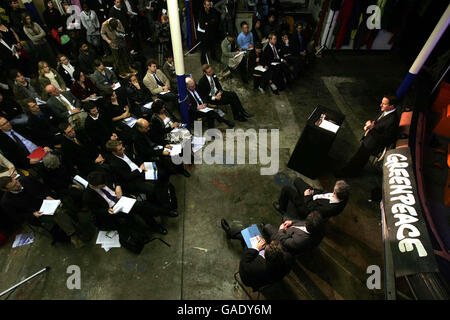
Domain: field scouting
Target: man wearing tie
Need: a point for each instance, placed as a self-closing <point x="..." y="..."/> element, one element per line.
<point x="159" y="85"/>
<point x="276" y="65"/>
<point x="378" y="134"/>
<point x="17" y="146"/>
<point x="196" y="105"/>
<point x="65" y="106"/>
<point x="211" y="92"/>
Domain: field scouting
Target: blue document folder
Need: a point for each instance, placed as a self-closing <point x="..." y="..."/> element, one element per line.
<point x="251" y="235"/>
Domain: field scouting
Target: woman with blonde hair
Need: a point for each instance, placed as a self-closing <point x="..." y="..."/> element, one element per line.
<point x="48" y="75"/>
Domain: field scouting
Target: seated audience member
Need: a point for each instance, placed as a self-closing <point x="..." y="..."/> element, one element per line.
<point x="263" y="76"/>
<point x="9" y="108"/>
<point x="196" y="105"/>
<point x="65" y="106"/>
<point x="139" y="96"/>
<point x="24" y="87"/>
<point x="23" y="199"/>
<point x="378" y="134"/>
<point x="56" y="176"/>
<point x="66" y="68"/>
<point x="288" y="54"/>
<point x="118" y="110"/>
<point x="7" y="169"/>
<point x="78" y="150"/>
<point x="212" y="92"/>
<point x="229" y="51"/>
<point x="42" y="123"/>
<point x="102" y="194"/>
<point x="17" y="146"/>
<point x="83" y="88"/>
<point x="297" y="236"/>
<point x="147" y="150"/>
<point x="47" y="76"/>
<point x="159" y="85"/>
<point x="86" y="59"/>
<point x="163" y="123"/>
<point x="98" y="126"/>
<point x="103" y="78"/>
<point x="169" y="71"/>
<point x="257" y="32"/>
<point x="245" y="38"/>
<point x="266" y="264"/>
<point x="298" y="43"/>
<point x="275" y="63"/>
<point x="132" y="178"/>
<point x="270" y="25"/>
<point x="305" y="200"/>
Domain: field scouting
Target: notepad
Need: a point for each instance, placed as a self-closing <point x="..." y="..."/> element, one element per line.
<point x="49" y="207"/>
<point x="176" y="149"/>
<point x="239" y="54"/>
<point x="206" y="109"/>
<point x="260" y="68"/>
<point x="116" y="86"/>
<point x="151" y="172"/>
<point x="251" y="236"/>
<point x="130" y="121"/>
<point x="124" y="205"/>
<point x="38" y="153"/>
<point x="80" y="181"/>
<point x="330" y="126"/>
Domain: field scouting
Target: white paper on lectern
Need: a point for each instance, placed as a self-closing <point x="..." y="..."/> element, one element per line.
<point x="327" y="125"/>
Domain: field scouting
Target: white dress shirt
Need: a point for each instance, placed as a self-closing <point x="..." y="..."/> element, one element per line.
<point x="130" y="163"/>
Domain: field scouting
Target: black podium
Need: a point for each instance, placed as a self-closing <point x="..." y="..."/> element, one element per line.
<point x="311" y="152"/>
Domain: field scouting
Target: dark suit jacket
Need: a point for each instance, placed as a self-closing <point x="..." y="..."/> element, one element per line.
<point x="44" y="128"/>
<point x="100" y="130"/>
<point x="59" y="109"/>
<point x="82" y="156"/>
<point x="13" y="152"/>
<point x="296" y="241"/>
<point x="324" y="206"/>
<point x="20" y="206"/>
<point x="269" y="56"/>
<point x="256" y="273"/>
<point x="145" y="148"/>
<point x="204" y="88"/>
<point x="123" y="172"/>
<point x="66" y="75"/>
<point x="158" y="131"/>
<point x="382" y="134"/>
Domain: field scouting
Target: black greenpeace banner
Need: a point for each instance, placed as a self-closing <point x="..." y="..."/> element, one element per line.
<point x="408" y="234"/>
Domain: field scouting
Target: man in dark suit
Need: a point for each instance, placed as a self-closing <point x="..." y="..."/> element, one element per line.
<point x="147" y="150"/>
<point x="298" y="236"/>
<point x="98" y="126"/>
<point x="22" y="200"/>
<point x="65" y="106"/>
<point x="42" y="122"/>
<point x="208" y="21"/>
<point x="132" y="178"/>
<point x="262" y="265"/>
<point x="297" y="203"/>
<point x="275" y="63"/>
<point x="378" y="134"/>
<point x="103" y="193"/>
<point x="211" y="92"/>
<point x="17" y="146"/>
<point x="79" y="150"/>
<point x="196" y="104"/>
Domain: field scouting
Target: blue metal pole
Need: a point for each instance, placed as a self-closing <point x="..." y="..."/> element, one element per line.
<point x="424" y="53"/>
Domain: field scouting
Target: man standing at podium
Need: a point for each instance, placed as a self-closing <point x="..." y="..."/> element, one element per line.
<point x="378" y="134"/>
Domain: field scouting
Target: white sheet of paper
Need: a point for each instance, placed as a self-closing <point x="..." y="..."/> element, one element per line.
<point x="49" y="207"/>
<point x="106" y="237"/>
<point x="239" y="54"/>
<point x="176" y="149"/>
<point x="275" y="63"/>
<point x="150" y="173"/>
<point x="207" y="109"/>
<point x="130" y="121"/>
<point x="40" y="102"/>
<point x="79" y="180"/>
<point x="254" y="241"/>
<point x="260" y="68"/>
<point x="327" y="125"/>
<point x="23" y="239"/>
<point x="124" y="205"/>
<point x="164" y="92"/>
<point x="116" y="86"/>
<point x="148" y="105"/>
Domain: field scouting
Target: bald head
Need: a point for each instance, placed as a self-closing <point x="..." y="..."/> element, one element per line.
<point x="190" y="84"/>
<point x="52" y="90"/>
<point x="142" y="125"/>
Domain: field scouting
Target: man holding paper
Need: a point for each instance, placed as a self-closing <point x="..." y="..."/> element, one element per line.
<point x="28" y="200"/>
<point x="17" y="146"/>
<point x="102" y="197"/>
<point x="134" y="180"/>
<point x="262" y="264"/>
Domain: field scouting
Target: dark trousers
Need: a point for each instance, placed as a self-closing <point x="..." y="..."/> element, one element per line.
<point x="231" y="98"/>
<point x="292" y="200"/>
<point x="207" y="44"/>
<point x="210" y="117"/>
<point x="260" y="79"/>
<point x="357" y="162"/>
<point x="235" y="233"/>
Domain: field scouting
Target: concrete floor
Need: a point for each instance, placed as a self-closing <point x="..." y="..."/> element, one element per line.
<point x="201" y="262"/>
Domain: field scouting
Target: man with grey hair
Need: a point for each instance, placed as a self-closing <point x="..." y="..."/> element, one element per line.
<point x="300" y="200"/>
